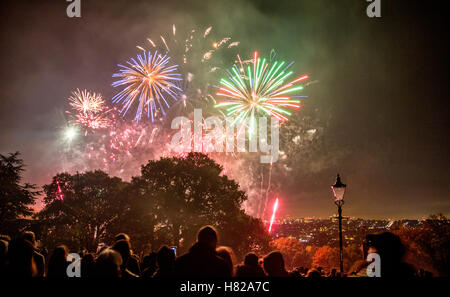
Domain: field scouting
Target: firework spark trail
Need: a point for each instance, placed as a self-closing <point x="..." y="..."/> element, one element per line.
<point x="269" y="184"/>
<point x="261" y="185"/>
<point x="259" y="89"/>
<point x="275" y="206"/>
<point x="165" y="43"/>
<point x="151" y="42"/>
<point x="59" y="195"/>
<point x="207" y="31"/>
<point x="147" y="80"/>
<point x="140" y="137"/>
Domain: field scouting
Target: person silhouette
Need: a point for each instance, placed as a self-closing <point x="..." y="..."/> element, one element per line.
<point x="123" y="248"/>
<point x="37" y="257"/>
<point x="88" y="265"/>
<point x="108" y="264"/>
<point x="250" y="268"/>
<point x="20" y="263"/>
<point x="274" y="265"/>
<point x="166" y="262"/>
<point x="133" y="262"/>
<point x="57" y="264"/>
<point x="391" y="251"/>
<point x="227" y="254"/>
<point x="202" y="259"/>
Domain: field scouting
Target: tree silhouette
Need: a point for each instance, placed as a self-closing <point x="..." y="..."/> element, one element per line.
<point x="352" y="254"/>
<point x="187" y="193"/>
<point x="16" y="199"/>
<point x="136" y="216"/>
<point x="292" y="249"/>
<point x="302" y="259"/>
<point x="428" y="245"/>
<point x="90" y="204"/>
<point x="326" y="257"/>
<point x="166" y="204"/>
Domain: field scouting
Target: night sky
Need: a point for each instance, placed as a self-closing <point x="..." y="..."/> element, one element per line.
<point x="382" y="91"/>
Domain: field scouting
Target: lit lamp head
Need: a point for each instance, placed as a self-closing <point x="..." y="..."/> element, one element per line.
<point x="338" y="189"/>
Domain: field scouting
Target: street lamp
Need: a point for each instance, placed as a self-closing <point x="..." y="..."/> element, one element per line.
<point x="338" y="192"/>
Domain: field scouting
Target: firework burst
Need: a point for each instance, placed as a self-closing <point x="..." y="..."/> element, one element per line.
<point x="93" y="120"/>
<point x="195" y="52"/>
<point x="89" y="110"/>
<point x="259" y="89"/>
<point x="86" y="102"/>
<point x="148" y="80"/>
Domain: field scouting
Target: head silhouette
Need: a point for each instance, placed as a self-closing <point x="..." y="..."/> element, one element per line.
<point x="122" y="236"/>
<point x="57" y="264"/>
<point x="313" y="273"/>
<point x="123" y="248"/>
<point x="29" y="235"/>
<point x="387" y="245"/>
<point x="274" y="264"/>
<point x="227" y="254"/>
<point x="165" y="258"/>
<point x="149" y="260"/>
<point x="20" y="258"/>
<point x="108" y="264"/>
<point x="390" y="249"/>
<point x="87" y="265"/>
<point x="208" y="235"/>
<point x="251" y="259"/>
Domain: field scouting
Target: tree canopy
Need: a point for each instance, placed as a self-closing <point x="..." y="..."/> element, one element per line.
<point x="16" y="199"/>
<point x="80" y="218"/>
<point x="166" y="204"/>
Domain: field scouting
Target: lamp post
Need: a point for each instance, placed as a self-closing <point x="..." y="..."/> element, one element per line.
<point x="338" y="192"/>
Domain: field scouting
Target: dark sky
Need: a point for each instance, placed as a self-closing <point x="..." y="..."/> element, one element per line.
<point x="383" y="86"/>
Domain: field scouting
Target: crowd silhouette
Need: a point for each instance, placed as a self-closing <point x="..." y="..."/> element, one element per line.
<point x="20" y="258"/>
